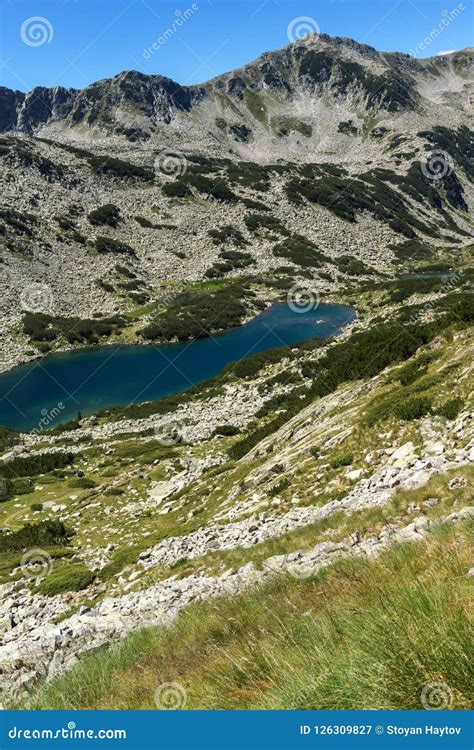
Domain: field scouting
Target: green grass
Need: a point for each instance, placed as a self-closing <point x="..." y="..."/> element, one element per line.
<point x="338" y="526"/>
<point x="66" y="577"/>
<point x="11" y="560"/>
<point x="358" y="635"/>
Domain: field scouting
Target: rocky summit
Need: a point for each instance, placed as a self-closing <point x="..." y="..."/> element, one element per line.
<point x="311" y="482"/>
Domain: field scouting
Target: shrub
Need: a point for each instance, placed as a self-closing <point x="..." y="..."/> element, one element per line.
<point x="250" y="367"/>
<point x="344" y="460"/>
<point x="124" y="271"/>
<point x="43" y="534"/>
<point x="144" y="222"/>
<point x="65" y="223"/>
<point x="25" y="466"/>
<point x="6" y="490"/>
<point x="20" y="223"/>
<point x="352" y="266"/>
<point x="257" y="222"/>
<point x="227" y="233"/>
<point x="240" y="132"/>
<point x="178" y="189"/>
<point x="212" y="188"/>
<point x="23" y="486"/>
<point x="110" y="166"/>
<point x="105" y="285"/>
<point x="277" y="489"/>
<point x="8" y="437"/>
<point x="226" y="430"/>
<point x="40" y="327"/>
<point x="197" y="314"/>
<point x="411" y="372"/>
<point x="82" y="483"/>
<point x="36" y="506"/>
<point x="43" y="347"/>
<point x="67" y="577"/>
<point x="413" y="408"/>
<point x="273" y="404"/>
<point x="108" y="245"/>
<point x="300" y="250"/>
<point x="108" y="214"/>
<point x="139" y="298"/>
<point x="217" y="270"/>
<point x="132" y="285"/>
<point x="451" y="408"/>
<point x="249" y="175"/>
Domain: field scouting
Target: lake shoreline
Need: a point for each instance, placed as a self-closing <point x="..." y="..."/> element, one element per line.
<point x="87" y="380"/>
<point x="83" y="348"/>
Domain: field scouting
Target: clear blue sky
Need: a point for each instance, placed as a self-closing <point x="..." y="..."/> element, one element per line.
<point x="94" y="39"/>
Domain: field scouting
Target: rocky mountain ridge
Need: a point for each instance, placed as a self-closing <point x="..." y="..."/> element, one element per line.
<point x="284" y="94"/>
<point x="319" y="162"/>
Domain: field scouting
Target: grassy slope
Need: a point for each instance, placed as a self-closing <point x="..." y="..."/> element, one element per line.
<point x="341" y="634"/>
<point x="358" y="635"/>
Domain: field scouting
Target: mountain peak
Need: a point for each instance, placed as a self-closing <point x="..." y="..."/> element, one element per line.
<point x="319" y="69"/>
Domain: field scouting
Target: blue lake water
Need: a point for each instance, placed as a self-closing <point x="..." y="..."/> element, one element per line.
<point x="88" y="380"/>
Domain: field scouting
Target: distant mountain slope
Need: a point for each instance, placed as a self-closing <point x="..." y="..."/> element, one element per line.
<point x="318" y="163"/>
<point x="318" y="86"/>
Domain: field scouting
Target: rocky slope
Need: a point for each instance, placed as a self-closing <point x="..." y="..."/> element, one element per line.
<point x="313" y="156"/>
<point x="140" y="210"/>
<point x="332" y="86"/>
<point x="162" y="525"/>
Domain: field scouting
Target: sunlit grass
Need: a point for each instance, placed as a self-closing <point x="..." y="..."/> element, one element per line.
<point x="358" y="635"/>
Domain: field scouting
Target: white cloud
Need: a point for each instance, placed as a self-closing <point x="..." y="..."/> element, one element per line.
<point x="445" y="52"/>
